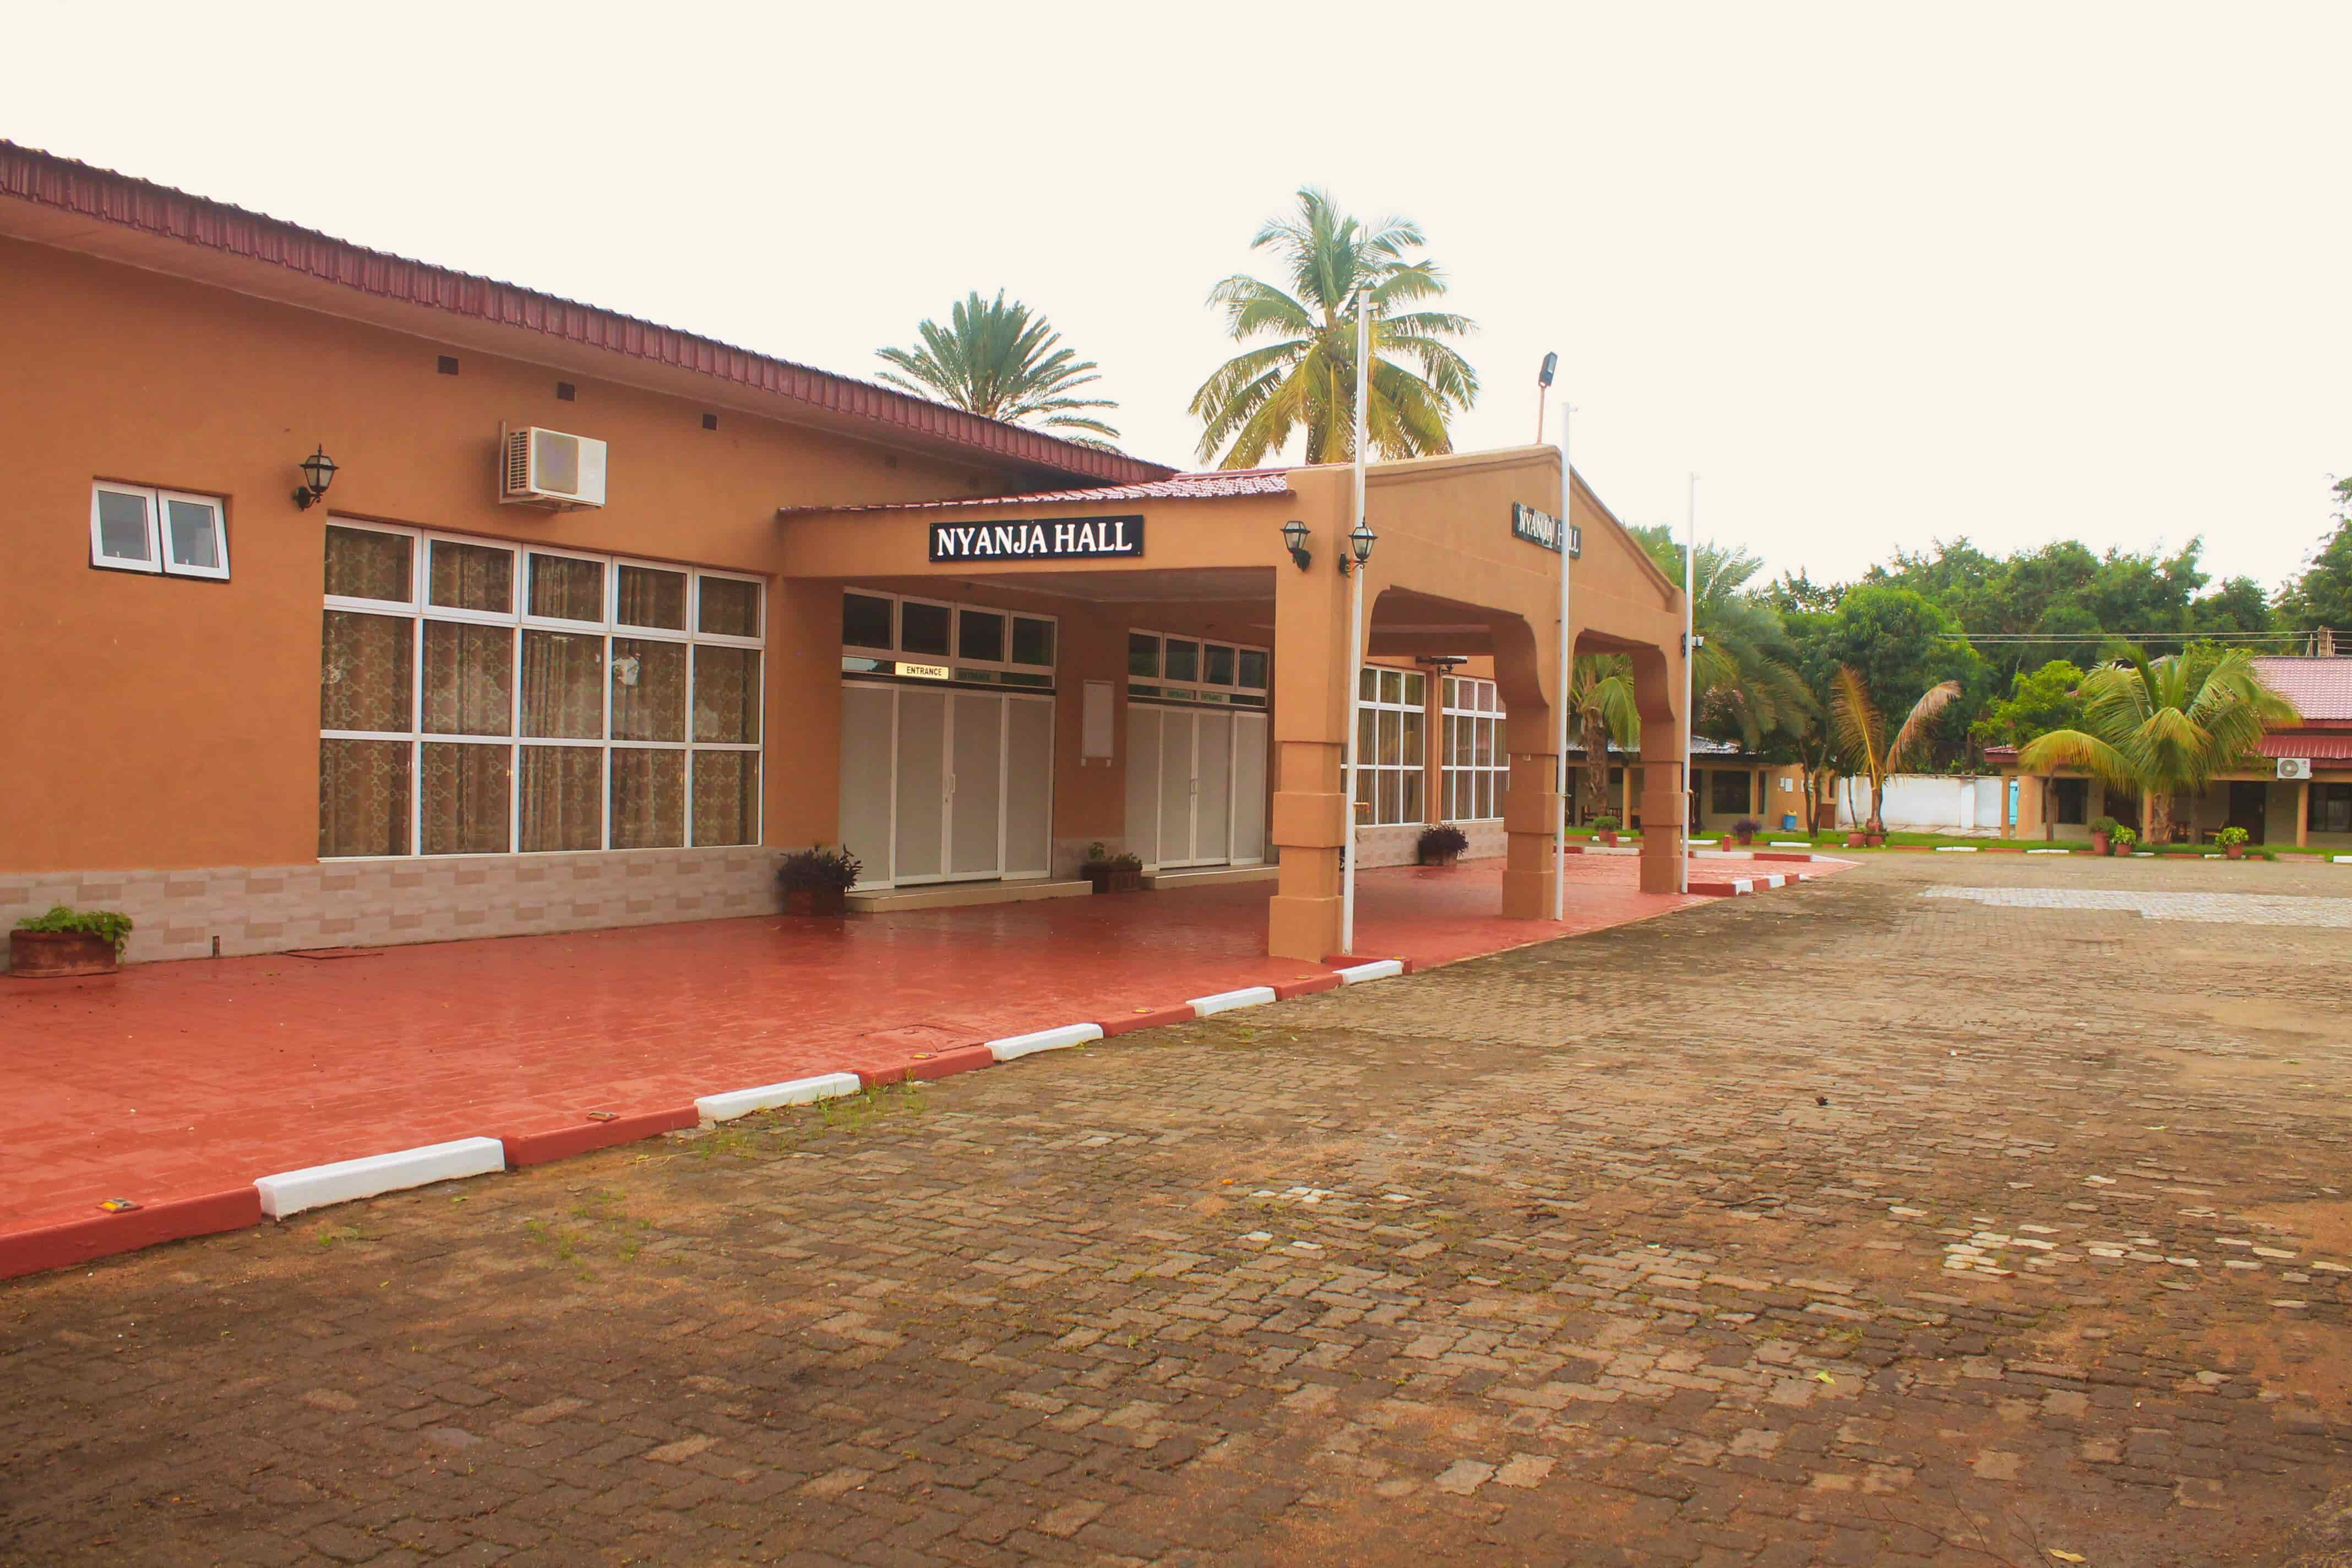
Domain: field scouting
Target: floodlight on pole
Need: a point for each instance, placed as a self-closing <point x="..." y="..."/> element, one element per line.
<point x="1543" y="385"/>
<point x="1360" y="537"/>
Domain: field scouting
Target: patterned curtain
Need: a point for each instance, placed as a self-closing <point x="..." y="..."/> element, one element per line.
<point x="562" y="798"/>
<point x="567" y="589"/>
<point x="648" y="799"/>
<point x="651" y="598"/>
<point x="471" y="577"/>
<point x="726" y="797"/>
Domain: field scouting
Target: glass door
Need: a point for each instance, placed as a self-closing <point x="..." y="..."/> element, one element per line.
<point x="975" y="829"/>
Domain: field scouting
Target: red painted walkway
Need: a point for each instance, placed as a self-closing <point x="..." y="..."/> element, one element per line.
<point x="174" y="1079"/>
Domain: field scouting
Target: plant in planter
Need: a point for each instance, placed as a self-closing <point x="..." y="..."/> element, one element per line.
<point x="2103" y="835"/>
<point x="1112" y="873"/>
<point x="1604" y="828"/>
<point x="1441" y="844"/>
<point x="66" y="942"/>
<point x="2123" y="838"/>
<point x="2233" y="841"/>
<point x="1745" y="829"/>
<point x="816" y="880"/>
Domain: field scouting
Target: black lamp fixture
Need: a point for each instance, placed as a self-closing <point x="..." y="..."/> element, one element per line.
<point x="319" y="472"/>
<point x="1359" y="544"/>
<point x="1294" y="535"/>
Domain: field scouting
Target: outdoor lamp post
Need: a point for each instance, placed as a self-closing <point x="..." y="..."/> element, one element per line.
<point x="1359" y="544"/>
<point x="318" y="472"/>
<point x="1294" y="535"/>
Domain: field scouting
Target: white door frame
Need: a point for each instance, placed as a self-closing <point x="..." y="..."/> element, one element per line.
<point x="1224" y="855"/>
<point x="1005" y="700"/>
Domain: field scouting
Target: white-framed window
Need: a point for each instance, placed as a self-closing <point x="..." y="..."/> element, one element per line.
<point x="482" y="696"/>
<point x="937" y="639"/>
<point x="135" y="527"/>
<point x="1390" y="745"/>
<point x="1477" y="767"/>
<point x="1163" y="667"/>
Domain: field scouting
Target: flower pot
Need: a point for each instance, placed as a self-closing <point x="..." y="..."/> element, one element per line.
<point x="1443" y="858"/>
<point x="816" y="900"/>
<point x="1853" y="840"/>
<point x="1608" y="835"/>
<point x="1746" y="839"/>
<point x="2100" y="845"/>
<point x="1875" y="840"/>
<point x="1112" y="879"/>
<point x="58" y="954"/>
<point x="2233" y="851"/>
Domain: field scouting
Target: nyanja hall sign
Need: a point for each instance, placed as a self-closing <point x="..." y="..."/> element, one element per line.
<point x="1057" y="539"/>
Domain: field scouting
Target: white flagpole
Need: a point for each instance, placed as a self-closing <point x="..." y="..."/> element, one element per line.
<point x="1355" y="628"/>
<point x="1690" y="661"/>
<point x="1559" y="821"/>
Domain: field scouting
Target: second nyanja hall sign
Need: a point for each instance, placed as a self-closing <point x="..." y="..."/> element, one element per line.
<point x="1054" y="538"/>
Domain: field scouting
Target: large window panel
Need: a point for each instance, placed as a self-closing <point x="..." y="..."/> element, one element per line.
<point x="562" y="686"/>
<point x="363" y="803"/>
<point x="651" y="598"/>
<point x="368" y="563"/>
<point x="648" y="690"/>
<point x="470" y="577"/>
<point x="468" y="679"/>
<point x="1390" y="746"/>
<point x="731" y="608"/>
<point x="566" y="588"/>
<point x="464" y="805"/>
<point x="648" y="798"/>
<point x="727" y="694"/>
<point x="726" y="797"/>
<point x="365" y="672"/>
<point x="562" y="795"/>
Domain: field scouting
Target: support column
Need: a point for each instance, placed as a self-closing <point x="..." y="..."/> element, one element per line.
<point x="1308" y="824"/>
<point x="2303" y="815"/>
<point x="1433" y="747"/>
<point x="1666" y="789"/>
<point x="1532" y="805"/>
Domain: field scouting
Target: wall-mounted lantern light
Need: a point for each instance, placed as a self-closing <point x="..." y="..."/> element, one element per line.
<point x="1360" y="542"/>
<point x="1293" y="534"/>
<point x="318" y="472"/>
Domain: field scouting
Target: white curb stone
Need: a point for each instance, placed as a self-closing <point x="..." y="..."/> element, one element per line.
<point x="291" y="1192"/>
<point x="2340" y="860"/>
<point x="1379" y="969"/>
<point x="1014" y="1047"/>
<point x="1789" y="844"/>
<point x="2049" y="852"/>
<point x="1956" y="848"/>
<point x="768" y="1095"/>
<point x="1225" y="1001"/>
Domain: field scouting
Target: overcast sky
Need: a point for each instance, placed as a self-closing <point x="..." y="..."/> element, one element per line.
<point x="1882" y="273"/>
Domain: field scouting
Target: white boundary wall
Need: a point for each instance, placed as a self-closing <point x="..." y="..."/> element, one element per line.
<point x="1927" y="803"/>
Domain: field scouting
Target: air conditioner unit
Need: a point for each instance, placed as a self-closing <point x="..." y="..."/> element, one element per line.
<point x="2295" y="768"/>
<point x="550" y="469"/>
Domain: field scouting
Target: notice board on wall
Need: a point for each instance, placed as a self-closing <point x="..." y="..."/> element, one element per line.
<point x="1096" y="726"/>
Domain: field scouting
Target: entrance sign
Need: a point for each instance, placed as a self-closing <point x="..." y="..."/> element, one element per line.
<point x="1053" y="539"/>
<point x="925" y="672"/>
<point x="1542" y="528"/>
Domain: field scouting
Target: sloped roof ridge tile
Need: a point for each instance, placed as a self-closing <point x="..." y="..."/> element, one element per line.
<point x="2320" y="688"/>
<point x="67" y="184"/>
<point x="1175" y="486"/>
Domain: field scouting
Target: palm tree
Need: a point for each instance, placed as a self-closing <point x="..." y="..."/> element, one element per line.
<point x="999" y="360"/>
<point x="1744" y="671"/>
<point x="1861" y="731"/>
<point x="1601" y="701"/>
<point x="2164" y="726"/>
<point x="1304" y="379"/>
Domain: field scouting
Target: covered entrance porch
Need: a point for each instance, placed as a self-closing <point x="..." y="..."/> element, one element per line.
<point x="1151" y="670"/>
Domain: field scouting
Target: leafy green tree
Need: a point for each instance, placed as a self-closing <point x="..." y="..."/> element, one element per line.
<point x="1744" y="673"/>
<point x="2164" y="726"/>
<point x="2038" y="703"/>
<point x="1899" y="644"/>
<point x="1304" y="380"/>
<point x="2321" y="595"/>
<point x="1000" y="361"/>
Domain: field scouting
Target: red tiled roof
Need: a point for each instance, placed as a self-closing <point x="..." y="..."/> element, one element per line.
<point x="1175" y="486"/>
<point x="63" y="184"/>
<point x="2335" y="745"/>
<point x="2319" y="688"/>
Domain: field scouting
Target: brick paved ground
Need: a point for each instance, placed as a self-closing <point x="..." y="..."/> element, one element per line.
<point x="1553" y="1256"/>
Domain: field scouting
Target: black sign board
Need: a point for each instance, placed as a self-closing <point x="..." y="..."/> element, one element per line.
<point x="1542" y="528"/>
<point x="1050" y="539"/>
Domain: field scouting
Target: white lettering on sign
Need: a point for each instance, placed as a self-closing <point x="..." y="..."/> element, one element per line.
<point x="1542" y="528"/>
<point x="1068" y="539"/>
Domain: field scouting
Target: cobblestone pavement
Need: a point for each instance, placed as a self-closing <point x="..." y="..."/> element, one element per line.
<point x="1842" y="1224"/>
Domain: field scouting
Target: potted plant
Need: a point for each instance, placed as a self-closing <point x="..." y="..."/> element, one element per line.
<point x="1112" y="873"/>
<point x="66" y="943"/>
<point x="2233" y="841"/>
<point x="1745" y="829"/>
<point x="816" y="880"/>
<point x="1604" y="828"/>
<point x="1441" y="844"/>
<point x="2103" y="835"/>
<point x="2123" y="837"/>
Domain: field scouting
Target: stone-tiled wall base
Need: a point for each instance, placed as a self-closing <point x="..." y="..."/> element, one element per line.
<point x="369" y="903"/>
<point x="1401" y="845"/>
